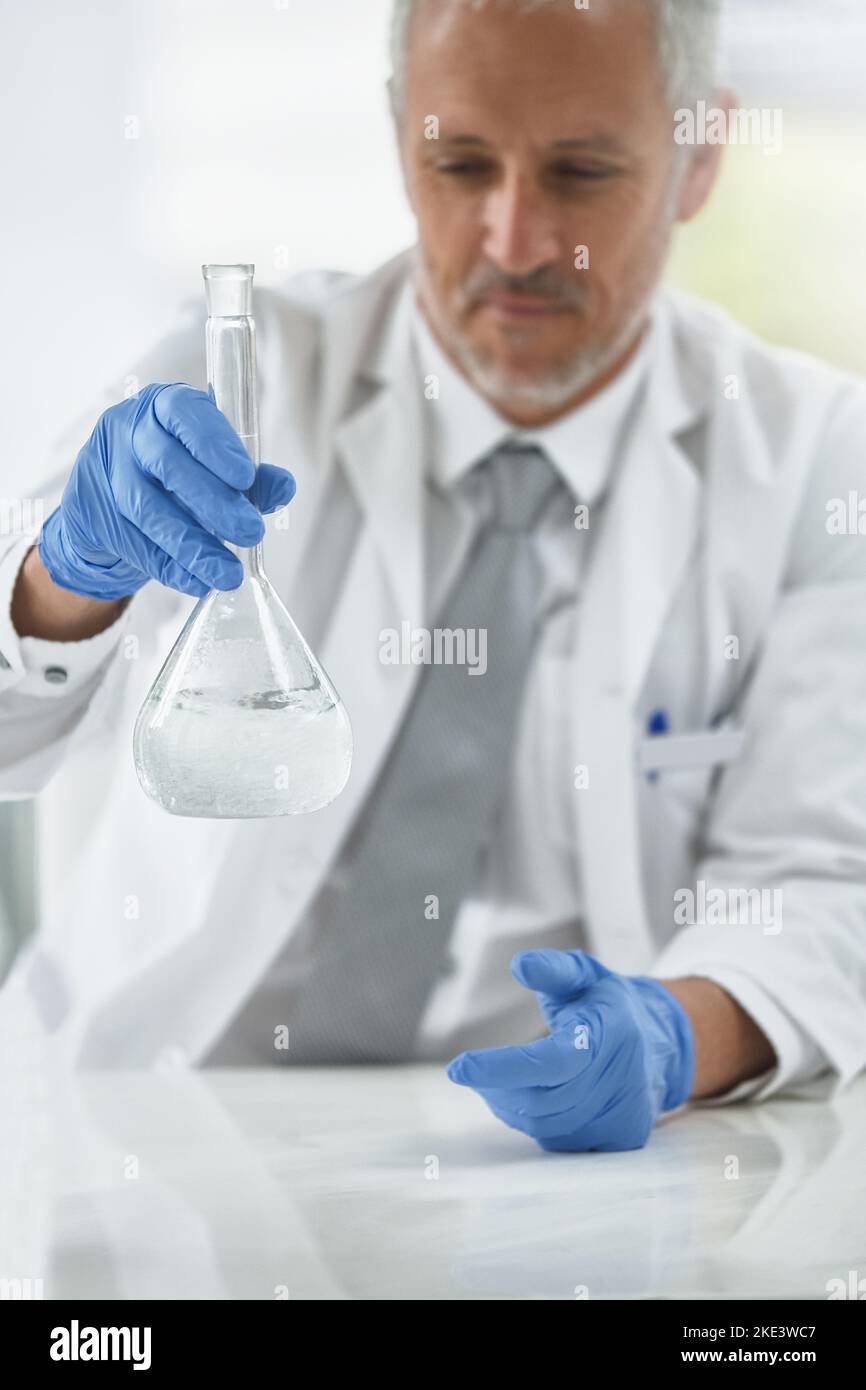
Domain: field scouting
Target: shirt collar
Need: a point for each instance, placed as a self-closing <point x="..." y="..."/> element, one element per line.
<point x="466" y="427"/>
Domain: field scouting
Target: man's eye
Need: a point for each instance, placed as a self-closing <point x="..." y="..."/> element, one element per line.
<point x="580" y="171"/>
<point x="465" y="168"/>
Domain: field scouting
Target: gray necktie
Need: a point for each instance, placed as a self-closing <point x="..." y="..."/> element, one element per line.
<point x="377" y="952"/>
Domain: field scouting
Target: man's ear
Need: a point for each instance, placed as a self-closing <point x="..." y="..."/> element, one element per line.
<point x="704" y="164"/>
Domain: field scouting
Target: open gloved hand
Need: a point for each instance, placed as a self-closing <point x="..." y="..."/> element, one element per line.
<point x="162" y="481"/>
<point x="619" y="1053"/>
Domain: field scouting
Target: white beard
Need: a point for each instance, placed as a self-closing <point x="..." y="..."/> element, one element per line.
<point x="565" y="383"/>
<point x="506" y="389"/>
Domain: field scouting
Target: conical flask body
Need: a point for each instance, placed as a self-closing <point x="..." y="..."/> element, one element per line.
<point x="242" y="721"/>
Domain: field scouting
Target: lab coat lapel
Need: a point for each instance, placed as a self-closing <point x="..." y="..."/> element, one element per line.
<point x="647" y="534"/>
<point x="364" y="341"/>
<point x="380" y="449"/>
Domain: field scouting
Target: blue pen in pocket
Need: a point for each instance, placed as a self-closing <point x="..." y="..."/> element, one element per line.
<point x="657" y="726"/>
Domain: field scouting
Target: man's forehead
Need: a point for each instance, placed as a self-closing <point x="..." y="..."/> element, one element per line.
<point x="437" y="23"/>
<point x="570" y="68"/>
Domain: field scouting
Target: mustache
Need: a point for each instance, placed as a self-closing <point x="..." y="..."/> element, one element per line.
<point x="541" y="284"/>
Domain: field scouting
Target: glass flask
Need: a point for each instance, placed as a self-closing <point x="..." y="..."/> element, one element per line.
<point x="241" y="721"/>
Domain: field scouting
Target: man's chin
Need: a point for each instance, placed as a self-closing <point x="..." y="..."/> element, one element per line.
<point x="542" y="388"/>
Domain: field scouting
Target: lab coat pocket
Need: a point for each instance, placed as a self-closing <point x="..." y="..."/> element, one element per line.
<point x="695" y="752"/>
<point x="678" y="769"/>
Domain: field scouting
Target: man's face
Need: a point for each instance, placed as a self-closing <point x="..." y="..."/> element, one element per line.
<point x="554" y="133"/>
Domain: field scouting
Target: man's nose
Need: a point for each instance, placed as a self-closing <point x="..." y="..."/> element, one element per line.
<point x="519" y="236"/>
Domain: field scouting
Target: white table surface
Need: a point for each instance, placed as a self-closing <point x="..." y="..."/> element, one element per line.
<point x="393" y="1183"/>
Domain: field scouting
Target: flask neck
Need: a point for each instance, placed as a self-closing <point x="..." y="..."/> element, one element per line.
<point x="231" y="374"/>
<point x="230" y="339"/>
<point x="251" y="558"/>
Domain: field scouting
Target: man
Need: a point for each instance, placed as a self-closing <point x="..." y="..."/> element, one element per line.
<point x="507" y="432"/>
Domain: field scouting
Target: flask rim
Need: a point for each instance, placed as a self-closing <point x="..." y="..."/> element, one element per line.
<point x="229" y="290"/>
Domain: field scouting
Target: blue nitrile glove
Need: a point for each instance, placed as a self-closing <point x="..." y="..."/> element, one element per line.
<point x="620" y="1051"/>
<point x="158" y="486"/>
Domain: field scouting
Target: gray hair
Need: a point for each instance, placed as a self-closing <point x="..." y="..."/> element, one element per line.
<point x="687" y="41"/>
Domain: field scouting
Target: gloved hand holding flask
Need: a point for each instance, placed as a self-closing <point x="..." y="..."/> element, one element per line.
<point x="162" y="480"/>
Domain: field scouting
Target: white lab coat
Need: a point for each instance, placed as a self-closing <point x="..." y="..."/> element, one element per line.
<point x="715" y="529"/>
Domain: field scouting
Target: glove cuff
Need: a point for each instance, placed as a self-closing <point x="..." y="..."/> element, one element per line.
<point x="678" y="1060"/>
<point x="681" y="1073"/>
<point x="73" y="575"/>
